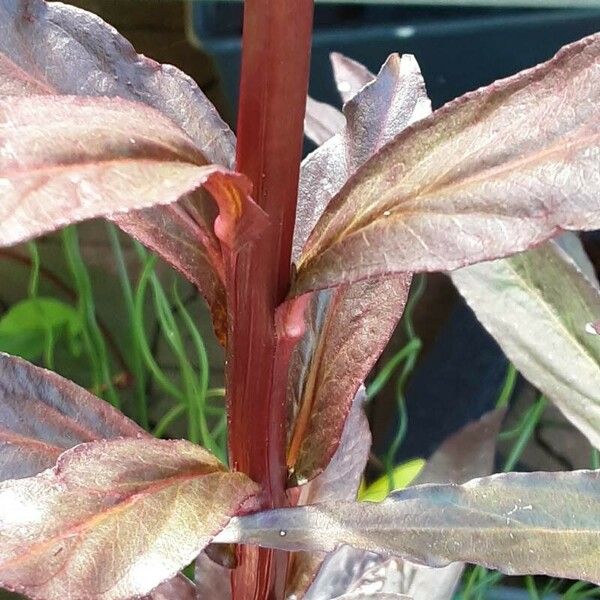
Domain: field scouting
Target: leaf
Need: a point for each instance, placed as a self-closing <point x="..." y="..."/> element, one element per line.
<point x="81" y="157"/>
<point x="42" y="415"/>
<point x="322" y="121"/>
<point x="341" y="478"/>
<point x="114" y="518"/>
<point x="391" y="102"/>
<point x="536" y="305"/>
<point x="27" y="327"/>
<point x="343" y="569"/>
<point x="348" y="327"/>
<point x="517" y="523"/>
<point x="491" y="173"/>
<point x="58" y="49"/>
<point x="212" y="580"/>
<point x="339" y="481"/>
<point x="350" y="76"/>
<point x="94" y="60"/>
<point x="466" y="454"/>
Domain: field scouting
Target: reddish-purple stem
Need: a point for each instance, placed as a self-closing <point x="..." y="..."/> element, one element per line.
<point x="275" y="64"/>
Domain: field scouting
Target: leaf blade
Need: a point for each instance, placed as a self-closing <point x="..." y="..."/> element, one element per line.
<point x="339" y="349"/>
<point x="68" y="159"/>
<point x="94" y="60"/>
<point x="466" y="454"/>
<point x="456" y="188"/>
<point x="536" y="306"/>
<point x="128" y="506"/>
<point x="322" y="121"/>
<point x="43" y="414"/>
<point x="518" y="523"/>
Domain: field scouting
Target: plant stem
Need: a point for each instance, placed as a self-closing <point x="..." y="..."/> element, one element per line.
<point x="274" y="82"/>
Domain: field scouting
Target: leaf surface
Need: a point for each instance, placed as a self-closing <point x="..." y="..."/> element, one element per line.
<point x="71" y="158"/>
<point x="339" y="481"/>
<point x="347" y="330"/>
<point x="466" y="454"/>
<point x="491" y="173"/>
<point x="542" y="523"/>
<point x="350" y="76"/>
<point x="536" y="305"/>
<point x="322" y="121"/>
<point x="348" y="327"/>
<point x="113" y="519"/>
<point x="392" y="101"/>
<point x="212" y="579"/>
<point x="52" y="48"/>
<point x="43" y="414"/>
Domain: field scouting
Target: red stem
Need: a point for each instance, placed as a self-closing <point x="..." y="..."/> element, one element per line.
<point x="275" y="64"/>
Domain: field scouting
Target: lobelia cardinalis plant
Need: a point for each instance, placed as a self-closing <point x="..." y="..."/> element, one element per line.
<point x="306" y="267"/>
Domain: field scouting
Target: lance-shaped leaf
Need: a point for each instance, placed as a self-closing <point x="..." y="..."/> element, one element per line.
<point x="59" y="49"/>
<point x="466" y="454"/>
<point x="350" y="326"/>
<point x="350" y="76"/>
<point x="52" y="48"/>
<point x="322" y="121"/>
<point x="491" y="173"/>
<point x="66" y="159"/>
<point x="339" y="481"/>
<point x="113" y="519"/>
<point x="537" y="305"/>
<point x="517" y="523"/>
<point x="42" y="415"/>
<point x="391" y="102"/>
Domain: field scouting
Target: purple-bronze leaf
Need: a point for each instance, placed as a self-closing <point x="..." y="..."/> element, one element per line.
<point x="70" y="158"/>
<point x="349" y="326"/>
<point x="537" y="306"/>
<point x="322" y="121"/>
<point x="341" y="477"/>
<point x="52" y="48"/>
<point x="391" y="102"/>
<point x="42" y="415"/>
<point x="466" y="454"/>
<point x="347" y="330"/>
<point x="339" y="481"/>
<point x="114" y="519"/>
<point x="491" y="173"/>
<point x="212" y="579"/>
<point x="350" y="76"/>
<point x="518" y="523"/>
